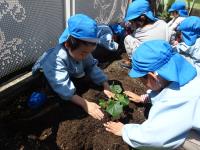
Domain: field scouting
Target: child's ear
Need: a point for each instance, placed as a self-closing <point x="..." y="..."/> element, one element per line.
<point x="143" y="18"/>
<point x="66" y="44"/>
<point x="152" y="76"/>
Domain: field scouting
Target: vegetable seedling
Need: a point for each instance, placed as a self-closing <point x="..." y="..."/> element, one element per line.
<point x="114" y="106"/>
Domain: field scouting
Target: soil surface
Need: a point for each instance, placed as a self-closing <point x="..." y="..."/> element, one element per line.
<point x="63" y="125"/>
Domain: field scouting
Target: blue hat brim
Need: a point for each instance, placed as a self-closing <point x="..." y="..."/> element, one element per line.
<point x="64" y="36"/>
<point x="92" y="40"/>
<point x="135" y="74"/>
<point x="189" y="38"/>
<point x="171" y="10"/>
<point x="177" y="69"/>
<point x="163" y="71"/>
<point x="149" y="14"/>
<point x="131" y="17"/>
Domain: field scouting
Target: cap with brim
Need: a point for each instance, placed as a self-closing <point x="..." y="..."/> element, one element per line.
<point x="81" y="27"/>
<point x="179" y="6"/>
<point x="189" y="37"/>
<point x="64" y="36"/>
<point x="158" y="56"/>
<point x="138" y="8"/>
<point x="171" y="10"/>
<point x="190" y="29"/>
<point x="182" y="13"/>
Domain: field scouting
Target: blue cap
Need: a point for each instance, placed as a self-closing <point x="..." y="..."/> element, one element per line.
<point x="138" y="8"/>
<point x="81" y="27"/>
<point x="179" y="6"/>
<point x="158" y="56"/>
<point x="190" y="29"/>
<point x="117" y="29"/>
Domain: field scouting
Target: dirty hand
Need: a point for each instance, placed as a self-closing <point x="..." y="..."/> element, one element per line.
<point x="94" y="110"/>
<point x="133" y="97"/>
<point x="108" y="93"/>
<point x="114" y="127"/>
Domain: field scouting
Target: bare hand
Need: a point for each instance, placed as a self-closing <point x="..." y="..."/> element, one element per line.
<point x="114" y="127"/>
<point x="175" y="43"/>
<point x="108" y="93"/>
<point x="94" y="110"/>
<point x="133" y="97"/>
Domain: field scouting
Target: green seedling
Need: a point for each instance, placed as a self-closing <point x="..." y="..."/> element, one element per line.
<point x="114" y="106"/>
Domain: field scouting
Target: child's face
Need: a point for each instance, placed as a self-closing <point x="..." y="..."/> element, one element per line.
<point x="135" y="23"/>
<point x="151" y="81"/>
<point x="174" y="14"/>
<point x="82" y="51"/>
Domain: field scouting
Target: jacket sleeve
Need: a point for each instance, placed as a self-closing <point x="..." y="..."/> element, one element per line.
<point x="95" y="73"/>
<point x="181" y="48"/>
<point x="166" y="127"/>
<point x="58" y="77"/>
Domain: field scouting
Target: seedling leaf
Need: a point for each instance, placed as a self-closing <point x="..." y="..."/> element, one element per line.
<point x="114" y="109"/>
<point x="102" y="103"/>
<point x="114" y="106"/>
<point x="122" y="99"/>
<point x="116" y="88"/>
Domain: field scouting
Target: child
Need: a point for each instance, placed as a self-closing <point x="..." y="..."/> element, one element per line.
<point x="147" y="27"/>
<point x="105" y="35"/>
<point x="107" y="48"/>
<point x="175" y="100"/>
<point x="107" y="45"/>
<point x="190" y="45"/>
<point x="72" y="58"/>
<point x="179" y="13"/>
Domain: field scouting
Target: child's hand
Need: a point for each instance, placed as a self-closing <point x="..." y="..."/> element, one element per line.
<point x="108" y="93"/>
<point x="114" y="127"/>
<point x="94" y="110"/>
<point x="133" y="97"/>
<point x="175" y="43"/>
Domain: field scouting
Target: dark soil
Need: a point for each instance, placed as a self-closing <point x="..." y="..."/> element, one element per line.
<point x="63" y="125"/>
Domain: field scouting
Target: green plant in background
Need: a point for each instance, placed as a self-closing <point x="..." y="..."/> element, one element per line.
<point x="162" y="9"/>
<point x="164" y="15"/>
<point x="114" y="106"/>
<point x="162" y="6"/>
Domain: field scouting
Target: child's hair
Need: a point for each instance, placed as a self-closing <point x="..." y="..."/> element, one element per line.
<point x="177" y="13"/>
<point x="144" y="20"/>
<point x="178" y="36"/>
<point x="75" y="43"/>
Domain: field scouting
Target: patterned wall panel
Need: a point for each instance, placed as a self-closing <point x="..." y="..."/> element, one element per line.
<point x="104" y="11"/>
<point x="27" y="29"/>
